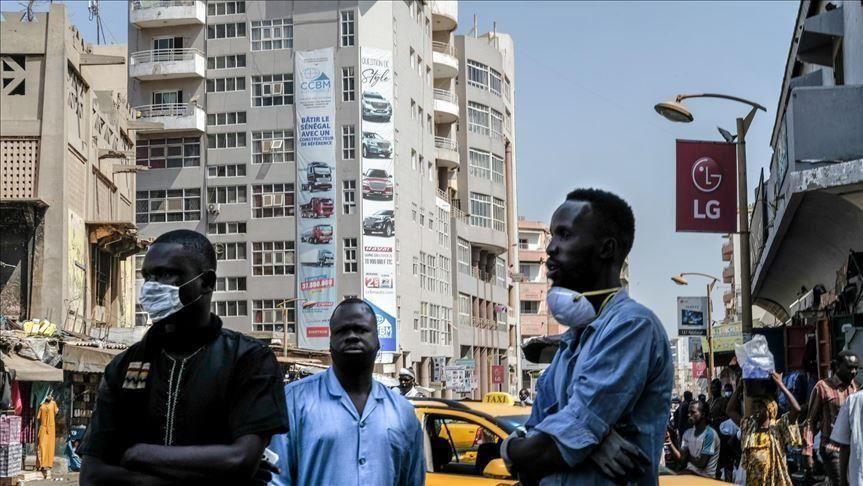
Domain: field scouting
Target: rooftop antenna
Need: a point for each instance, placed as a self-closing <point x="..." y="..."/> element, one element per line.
<point x="94" y="14"/>
<point x="28" y="10"/>
<point x="474" y="30"/>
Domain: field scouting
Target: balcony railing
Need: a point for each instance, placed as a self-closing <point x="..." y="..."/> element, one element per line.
<point x="165" y="109"/>
<point x="443" y="48"/>
<point x="165" y="55"/>
<point x="445" y="95"/>
<point x="460" y="215"/>
<point x="445" y="143"/>
<point x="147" y="4"/>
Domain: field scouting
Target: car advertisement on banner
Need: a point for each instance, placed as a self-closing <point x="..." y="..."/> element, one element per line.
<point x="378" y="183"/>
<point x="316" y="169"/>
<point x="692" y="316"/>
<point x="706" y="187"/>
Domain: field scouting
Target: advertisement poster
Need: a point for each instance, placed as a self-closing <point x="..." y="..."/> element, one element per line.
<point x="699" y="370"/>
<point x="691" y="316"/>
<point x="76" y="267"/>
<point x="316" y="184"/>
<point x="378" y="183"/>
<point x="696" y="348"/>
<point x="706" y="187"/>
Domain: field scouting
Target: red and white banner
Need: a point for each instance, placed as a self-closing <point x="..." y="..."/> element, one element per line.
<point x="706" y="187"/>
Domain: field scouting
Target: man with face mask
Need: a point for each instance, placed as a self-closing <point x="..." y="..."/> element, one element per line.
<point x="347" y="428"/>
<point x="613" y="371"/>
<point x="192" y="402"/>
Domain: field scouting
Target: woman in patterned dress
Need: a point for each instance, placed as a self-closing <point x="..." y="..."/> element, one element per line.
<point x="764" y="436"/>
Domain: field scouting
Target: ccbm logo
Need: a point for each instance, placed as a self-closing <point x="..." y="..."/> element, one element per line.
<point x="322" y="82"/>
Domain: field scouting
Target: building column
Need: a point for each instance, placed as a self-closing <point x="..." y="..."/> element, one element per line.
<point x="852" y="42"/>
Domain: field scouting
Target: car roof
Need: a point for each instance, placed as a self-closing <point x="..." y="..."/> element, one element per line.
<point x="489" y="411"/>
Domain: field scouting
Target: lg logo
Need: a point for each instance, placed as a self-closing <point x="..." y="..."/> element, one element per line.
<point x="707" y="177"/>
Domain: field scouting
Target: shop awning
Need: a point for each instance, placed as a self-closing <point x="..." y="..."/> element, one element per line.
<point x="84" y="359"/>
<point x="31" y="370"/>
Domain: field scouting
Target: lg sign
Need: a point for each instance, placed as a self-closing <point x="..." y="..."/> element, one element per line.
<point x="706" y="187"/>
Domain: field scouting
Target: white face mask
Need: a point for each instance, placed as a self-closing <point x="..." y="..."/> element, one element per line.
<point x="162" y="300"/>
<point x="571" y="308"/>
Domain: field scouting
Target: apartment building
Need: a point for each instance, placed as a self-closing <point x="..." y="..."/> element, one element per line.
<point x="67" y="176"/>
<point x="406" y="198"/>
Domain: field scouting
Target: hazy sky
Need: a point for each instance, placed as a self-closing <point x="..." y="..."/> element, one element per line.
<point x="587" y="77"/>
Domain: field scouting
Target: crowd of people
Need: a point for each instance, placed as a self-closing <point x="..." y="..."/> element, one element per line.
<point x="799" y="425"/>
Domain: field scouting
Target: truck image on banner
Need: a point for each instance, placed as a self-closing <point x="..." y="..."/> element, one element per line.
<point x="316" y="220"/>
<point x="378" y="182"/>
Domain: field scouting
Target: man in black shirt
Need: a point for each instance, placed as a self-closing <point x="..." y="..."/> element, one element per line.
<point x="192" y="402"/>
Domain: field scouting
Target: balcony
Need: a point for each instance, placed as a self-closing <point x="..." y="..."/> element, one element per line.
<point x="444" y="15"/>
<point x="175" y="117"/>
<point x="446" y="153"/>
<point x="445" y="106"/>
<point x="164" y="13"/>
<point x="167" y="64"/>
<point x="728" y="274"/>
<point x="727" y="251"/>
<point x="444" y="60"/>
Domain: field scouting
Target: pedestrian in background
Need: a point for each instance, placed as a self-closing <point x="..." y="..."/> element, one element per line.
<point x="613" y="370"/>
<point x="408" y="384"/>
<point x="699" y="447"/>
<point x="764" y="435"/>
<point x="824" y="404"/>
<point x="717" y="405"/>
<point x="681" y="418"/>
<point x="848" y="436"/>
<point x="192" y="402"/>
<point x="346" y="428"/>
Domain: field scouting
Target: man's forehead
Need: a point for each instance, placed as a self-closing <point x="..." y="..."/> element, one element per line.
<point x="353" y="314"/>
<point x="173" y="254"/>
<point x="571" y="213"/>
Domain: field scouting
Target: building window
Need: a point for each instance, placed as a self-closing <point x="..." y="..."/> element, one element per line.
<point x="464" y="308"/>
<point x="500" y="272"/>
<point x="226" y="140"/>
<point x="480" y="210"/>
<point x="230" y="251"/>
<point x="273" y="90"/>
<point x="231" y="61"/>
<point x="349" y="142"/>
<point x="226" y="85"/>
<point x="272" y="200"/>
<point x="230" y="308"/>
<point x="444" y="274"/>
<point x="522" y="244"/>
<point x="463" y="255"/>
<point x="273" y="258"/>
<point x="230" y="170"/>
<point x="443" y="227"/>
<point x="478" y="118"/>
<point x="349" y="255"/>
<point x="496" y="124"/>
<point x="347" y="28"/>
<point x="227" y="228"/>
<point x="477" y="74"/>
<point x="494" y="81"/>
<point x="270" y="147"/>
<point x="497" y="169"/>
<point x="349" y="196"/>
<point x="231" y="284"/>
<point x="269" y="35"/>
<point x="222" y="119"/>
<point x="226" y="8"/>
<point x="161" y="153"/>
<point x="170" y="205"/>
<point x="270" y="314"/>
<point x="226" y="31"/>
<point x="499" y="214"/>
<point x="479" y="163"/>
<point x="227" y="195"/>
<point x="529" y="307"/>
<point x="349" y="91"/>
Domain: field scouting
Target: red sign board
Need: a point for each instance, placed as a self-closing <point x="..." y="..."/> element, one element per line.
<point x="706" y="187"/>
<point x="497" y="374"/>
<point x="699" y="369"/>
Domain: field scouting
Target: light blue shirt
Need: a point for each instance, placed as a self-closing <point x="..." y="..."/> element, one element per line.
<point x="329" y="443"/>
<point x="617" y="370"/>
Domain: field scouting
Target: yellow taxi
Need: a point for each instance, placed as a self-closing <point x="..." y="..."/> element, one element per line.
<point x="462" y="442"/>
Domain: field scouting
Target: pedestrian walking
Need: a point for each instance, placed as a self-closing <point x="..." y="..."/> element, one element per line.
<point x="46" y="441"/>
<point x="728" y="443"/>
<point x="347" y="428"/>
<point x="765" y="435"/>
<point x="612" y="374"/>
<point x="192" y="402"/>
<point x="408" y="384"/>
<point x="824" y="404"/>
<point x="848" y="435"/>
<point x="699" y="449"/>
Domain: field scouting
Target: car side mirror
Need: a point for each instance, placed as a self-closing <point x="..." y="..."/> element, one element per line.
<point x="496" y="469"/>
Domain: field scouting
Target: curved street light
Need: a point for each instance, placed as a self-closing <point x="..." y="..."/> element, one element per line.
<point x="680" y="279"/>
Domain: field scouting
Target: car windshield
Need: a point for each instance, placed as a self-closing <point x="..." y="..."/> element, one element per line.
<point x="512" y="422"/>
<point x="377" y="173"/>
<point x="322" y="170"/>
<point x="373" y="95"/>
<point x="371" y="135"/>
<point x="325" y="228"/>
<point x="384" y="212"/>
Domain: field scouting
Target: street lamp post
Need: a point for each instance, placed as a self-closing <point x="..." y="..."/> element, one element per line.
<point x="677" y="112"/>
<point x="681" y="280"/>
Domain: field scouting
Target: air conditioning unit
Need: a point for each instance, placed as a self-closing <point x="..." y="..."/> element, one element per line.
<point x="214" y="208"/>
<point x="276" y="88"/>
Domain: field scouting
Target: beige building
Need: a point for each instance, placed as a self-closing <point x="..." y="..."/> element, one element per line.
<point x="67" y="181"/>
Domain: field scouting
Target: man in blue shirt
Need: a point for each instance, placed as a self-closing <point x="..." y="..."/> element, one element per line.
<point x="613" y="370"/>
<point x="346" y="428"/>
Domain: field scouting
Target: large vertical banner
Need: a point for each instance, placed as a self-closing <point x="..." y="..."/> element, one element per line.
<point x="77" y="270"/>
<point x="378" y="247"/>
<point x="706" y="186"/>
<point x="316" y="178"/>
<point x="692" y="316"/>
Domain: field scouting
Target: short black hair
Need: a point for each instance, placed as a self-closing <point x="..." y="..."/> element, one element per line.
<point x="195" y="243"/>
<point x="353" y="301"/>
<point x="842" y="355"/>
<point x="616" y="217"/>
<point x="700" y="404"/>
<point x="687" y="395"/>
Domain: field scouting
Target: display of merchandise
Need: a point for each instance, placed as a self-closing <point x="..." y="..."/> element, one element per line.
<point x="10" y="429"/>
<point x="10" y="460"/>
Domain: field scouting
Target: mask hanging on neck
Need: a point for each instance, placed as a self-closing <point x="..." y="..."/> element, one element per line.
<point x="571" y="308"/>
